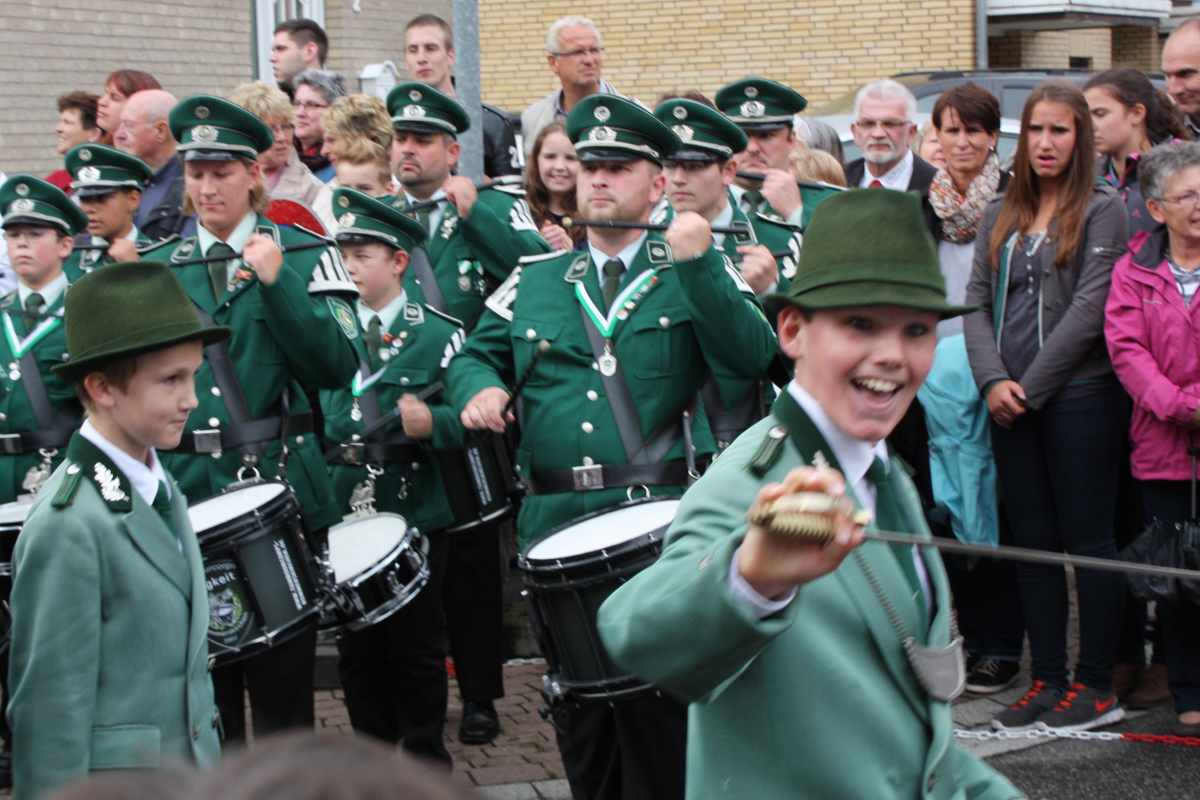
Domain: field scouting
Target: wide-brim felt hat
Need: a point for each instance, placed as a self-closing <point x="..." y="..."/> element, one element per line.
<point x="127" y="310"/>
<point x="417" y="107"/>
<point x="25" y="199"/>
<point x="867" y="247"/>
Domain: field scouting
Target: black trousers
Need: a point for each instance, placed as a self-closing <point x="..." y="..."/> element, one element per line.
<point x="394" y="672"/>
<point x="634" y="750"/>
<point x="280" y="682"/>
<point x="473" y="597"/>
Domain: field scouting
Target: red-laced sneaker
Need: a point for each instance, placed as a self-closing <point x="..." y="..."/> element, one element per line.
<point x="1022" y="715"/>
<point x="1082" y="709"/>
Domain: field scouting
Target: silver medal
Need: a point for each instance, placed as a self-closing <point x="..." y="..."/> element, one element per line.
<point x="14" y="374"/>
<point x="608" y="364"/>
<point x="356" y="412"/>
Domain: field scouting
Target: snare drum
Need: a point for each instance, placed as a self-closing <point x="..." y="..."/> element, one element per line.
<point x="257" y="566"/>
<point x="377" y="569"/>
<point x="478" y="480"/>
<point x="569" y="572"/>
<point x="12" y="519"/>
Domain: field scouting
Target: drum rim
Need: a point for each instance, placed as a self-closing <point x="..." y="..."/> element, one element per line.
<point x="250" y="647"/>
<point x="526" y="563"/>
<point x="283" y="498"/>
<point x="378" y="614"/>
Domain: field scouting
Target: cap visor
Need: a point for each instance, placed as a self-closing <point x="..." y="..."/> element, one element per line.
<point x="96" y="191"/>
<point x="763" y="126"/>
<point x="873" y="293"/>
<point x="421" y="127"/>
<point x="605" y="154"/>
<point x="210" y="155"/>
<point x="40" y="221"/>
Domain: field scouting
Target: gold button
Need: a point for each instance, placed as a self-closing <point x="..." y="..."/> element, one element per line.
<point x="530" y="334"/>
<point x="588" y="427"/>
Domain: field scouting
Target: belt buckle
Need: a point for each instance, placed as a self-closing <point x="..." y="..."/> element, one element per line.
<point x="207" y="440"/>
<point x="587" y="478"/>
<point x="352" y="454"/>
<point x="10" y="444"/>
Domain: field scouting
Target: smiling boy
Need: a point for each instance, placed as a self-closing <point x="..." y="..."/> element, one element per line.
<point x="110" y="610"/>
<point x="108" y="184"/>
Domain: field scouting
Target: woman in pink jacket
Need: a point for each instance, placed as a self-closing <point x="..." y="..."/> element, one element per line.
<point x="1153" y="330"/>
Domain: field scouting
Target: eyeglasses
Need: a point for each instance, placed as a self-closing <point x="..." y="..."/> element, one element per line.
<point x="690" y="167"/>
<point x="311" y="106"/>
<point x="889" y="125"/>
<point x="30" y="234"/>
<point x="1186" y="199"/>
<point x="594" y="52"/>
<point x="282" y="130"/>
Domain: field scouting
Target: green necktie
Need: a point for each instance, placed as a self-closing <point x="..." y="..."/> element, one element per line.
<point x="374" y="329"/>
<point x="33" y="305"/>
<point x="162" y="504"/>
<point x="889" y="517"/>
<point x="422" y="216"/>
<point x="753" y="200"/>
<point x="612" y="282"/>
<point x="218" y="271"/>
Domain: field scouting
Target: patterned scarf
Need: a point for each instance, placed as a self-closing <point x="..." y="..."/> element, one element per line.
<point x="960" y="215"/>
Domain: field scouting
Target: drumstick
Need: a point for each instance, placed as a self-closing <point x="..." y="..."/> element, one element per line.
<point x="754" y="176"/>
<point x="503" y="180"/>
<point x="542" y="348"/>
<point x="423" y="395"/>
<point x="567" y="222"/>
<point x="737" y="259"/>
<point x="291" y="248"/>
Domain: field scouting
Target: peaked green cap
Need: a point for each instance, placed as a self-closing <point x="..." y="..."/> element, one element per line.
<point x="99" y="169"/>
<point x="417" y="107"/>
<point x="361" y="217"/>
<point x="211" y="128"/>
<point x="30" y="200"/>
<point x="705" y="132"/>
<point x="606" y="127"/>
<point x="757" y="104"/>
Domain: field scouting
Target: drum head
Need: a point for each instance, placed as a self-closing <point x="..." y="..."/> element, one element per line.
<point x="357" y="546"/>
<point x="605" y="529"/>
<point x="15" y="513"/>
<point x="221" y="508"/>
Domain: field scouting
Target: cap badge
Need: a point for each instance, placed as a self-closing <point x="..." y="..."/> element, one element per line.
<point x="204" y="133"/>
<point x="414" y="95"/>
<point x="753" y="108"/>
<point x="751" y="91"/>
<point x="85" y="155"/>
<point x="680" y="112"/>
<point x="602" y="134"/>
<point x="603" y="113"/>
<point x="202" y="112"/>
<point x="22" y="206"/>
<point x="414" y="111"/>
<point x="89" y="174"/>
<point x="347" y="220"/>
<point x="684" y="132"/>
<point x="344" y="201"/>
<point x="22" y="189"/>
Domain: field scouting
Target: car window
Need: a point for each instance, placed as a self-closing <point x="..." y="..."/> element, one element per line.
<point x="1012" y="100"/>
<point x="925" y="104"/>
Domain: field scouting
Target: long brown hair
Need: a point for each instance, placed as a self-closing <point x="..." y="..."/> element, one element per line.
<point x="1129" y="87"/>
<point x="131" y="81"/>
<point x="536" y="192"/>
<point x="1024" y="192"/>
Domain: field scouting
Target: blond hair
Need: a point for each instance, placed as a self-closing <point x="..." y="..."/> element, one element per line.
<point x="265" y="102"/>
<point x="816" y="165"/>
<point x="358" y="116"/>
<point x="359" y="151"/>
<point x="260" y="197"/>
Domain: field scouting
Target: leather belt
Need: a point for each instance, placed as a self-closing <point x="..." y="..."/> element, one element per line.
<point x="356" y="454"/>
<point x="213" y="440"/>
<point x="13" y="444"/>
<point x="609" y="476"/>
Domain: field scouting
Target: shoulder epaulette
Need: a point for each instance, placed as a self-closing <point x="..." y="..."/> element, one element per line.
<point x="315" y="235"/>
<point x="185" y="249"/>
<point x="501" y="300"/>
<point x="782" y="223"/>
<point x="542" y="256"/>
<point x="452" y="320"/>
<point x="145" y="248"/>
<point x="67" y="489"/>
<point x="768" y="452"/>
<point x="516" y="190"/>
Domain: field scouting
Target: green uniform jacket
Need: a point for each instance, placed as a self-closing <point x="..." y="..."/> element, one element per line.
<point x="16" y="414"/>
<point x="298" y="330"/>
<point x="816" y="701"/>
<point x="470" y="256"/>
<point x="81" y="262"/>
<point x="109" y="652"/>
<point x="428" y="341"/>
<point x="692" y="321"/>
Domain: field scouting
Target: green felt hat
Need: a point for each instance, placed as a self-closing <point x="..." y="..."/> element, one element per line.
<point x="25" y="199"/>
<point x="211" y="128"/>
<point x="757" y="104"/>
<point x="363" y="218"/>
<point x="705" y="132"/>
<point x="127" y="310"/>
<point x="868" y="247"/>
<point x="100" y="169"/>
<point x="605" y="127"/>
<point x="417" y="107"/>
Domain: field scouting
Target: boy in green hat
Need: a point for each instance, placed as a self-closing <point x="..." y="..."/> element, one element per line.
<point x="393" y="672"/>
<point x="38" y="410"/>
<point x="791" y="654"/>
<point x="108" y="184"/>
<point x="110" y="610"/>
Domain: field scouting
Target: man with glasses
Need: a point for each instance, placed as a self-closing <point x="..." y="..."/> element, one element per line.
<point x="574" y="53"/>
<point x="884" y="126"/>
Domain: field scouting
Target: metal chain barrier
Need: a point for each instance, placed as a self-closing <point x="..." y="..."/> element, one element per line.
<point x="1099" y="736"/>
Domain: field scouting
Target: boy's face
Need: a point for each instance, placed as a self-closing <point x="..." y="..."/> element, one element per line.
<point x="366" y="178"/>
<point x="110" y="216"/>
<point x="863" y="364"/>
<point x="37" y="252"/>
<point x="376" y="270"/>
<point x="154" y="407"/>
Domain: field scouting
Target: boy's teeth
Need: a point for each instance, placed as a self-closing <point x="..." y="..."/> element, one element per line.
<point x="877" y="385"/>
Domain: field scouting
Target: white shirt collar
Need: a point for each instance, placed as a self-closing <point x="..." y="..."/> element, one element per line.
<point x="854" y="455"/>
<point x="144" y="479"/>
<point x="387" y="315"/>
<point x="722" y="220"/>
<point x="236" y="240"/>
<point x="132" y="236"/>
<point x="898" y="177"/>
<point x="627" y="255"/>
<point x="50" y="292"/>
<point x="435" y="212"/>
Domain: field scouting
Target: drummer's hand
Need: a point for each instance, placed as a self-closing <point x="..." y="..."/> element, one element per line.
<point x="781" y="192"/>
<point x="758" y="268"/>
<point x="416" y="416"/>
<point x="485" y="411"/>
<point x="460" y="190"/>
<point x="774" y="565"/>
<point x="262" y="255"/>
<point x="689" y="236"/>
<point x="123" y="250"/>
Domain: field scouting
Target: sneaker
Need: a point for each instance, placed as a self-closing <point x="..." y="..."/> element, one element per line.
<point x="992" y="675"/>
<point x="1082" y="709"/>
<point x="1022" y="715"/>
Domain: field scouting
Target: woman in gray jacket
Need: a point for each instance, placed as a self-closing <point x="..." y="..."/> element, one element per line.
<point x="1043" y="261"/>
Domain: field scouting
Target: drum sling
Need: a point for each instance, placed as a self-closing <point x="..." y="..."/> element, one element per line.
<point x="378" y="446"/>
<point x="418" y="259"/>
<point x="54" y="430"/>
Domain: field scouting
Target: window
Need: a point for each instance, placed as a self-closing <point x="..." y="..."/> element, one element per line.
<point x="268" y="14"/>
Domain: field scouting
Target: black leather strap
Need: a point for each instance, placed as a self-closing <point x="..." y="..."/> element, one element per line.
<point x="729" y="423"/>
<point x="56" y="427"/>
<point x="396" y="448"/>
<point x="418" y="260"/>
<point x="12" y="444"/>
<point x="608" y="477"/>
<point x="231" y="394"/>
<point x="246" y="435"/>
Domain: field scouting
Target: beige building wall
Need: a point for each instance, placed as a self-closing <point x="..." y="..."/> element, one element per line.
<point x="1052" y="49"/>
<point x="48" y="47"/>
<point x="1137" y="46"/>
<point x="821" y="48"/>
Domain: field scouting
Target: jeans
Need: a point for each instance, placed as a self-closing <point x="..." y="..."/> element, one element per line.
<point x="988" y="602"/>
<point x="1058" y="474"/>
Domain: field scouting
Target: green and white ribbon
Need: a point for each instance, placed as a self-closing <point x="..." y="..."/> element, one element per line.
<point x="20" y="347"/>
<point x="359" y="385"/>
<point x="608" y="324"/>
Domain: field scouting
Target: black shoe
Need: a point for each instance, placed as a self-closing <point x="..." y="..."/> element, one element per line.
<point x="480" y="723"/>
<point x="992" y="675"/>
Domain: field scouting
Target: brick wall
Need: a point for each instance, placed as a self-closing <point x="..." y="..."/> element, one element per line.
<point x="822" y="48"/>
<point x="374" y="34"/>
<point x="1137" y="46"/>
<point x="48" y="47"/>
<point x="1052" y="49"/>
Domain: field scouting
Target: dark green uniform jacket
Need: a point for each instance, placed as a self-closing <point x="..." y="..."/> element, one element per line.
<point x="110" y="632"/>
<point x="299" y="330"/>
<point x="688" y="319"/>
<point x="81" y="262"/>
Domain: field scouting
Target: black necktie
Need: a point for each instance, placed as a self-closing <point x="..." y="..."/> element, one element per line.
<point x="218" y="271"/>
<point x="753" y="199"/>
<point x="33" y="304"/>
<point x="612" y="282"/>
<point x="374" y="329"/>
<point x="162" y="504"/>
<point x="889" y="517"/>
